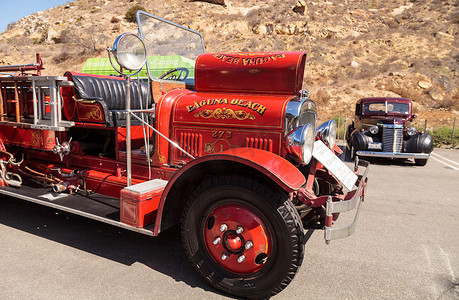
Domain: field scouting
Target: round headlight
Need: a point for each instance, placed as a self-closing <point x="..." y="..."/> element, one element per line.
<point x="411" y="131"/>
<point x="326" y="132"/>
<point x="129" y="51"/>
<point x="299" y="143"/>
<point x="374" y="129"/>
<point x="308" y="143"/>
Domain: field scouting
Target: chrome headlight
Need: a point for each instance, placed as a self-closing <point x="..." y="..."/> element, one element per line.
<point x="300" y="112"/>
<point x="326" y="132"/>
<point x="129" y="51"/>
<point x="374" y="129"/>
<point x="299" y="143"/>
<point x="411" y="131"/>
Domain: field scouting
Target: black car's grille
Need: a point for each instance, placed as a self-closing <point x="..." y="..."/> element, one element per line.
<point x="392" y="138"/>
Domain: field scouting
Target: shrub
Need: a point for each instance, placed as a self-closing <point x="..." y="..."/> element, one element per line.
<point x="443" y="135"/>
<point x="10" y="25"/>
<point x="130" y="15"/>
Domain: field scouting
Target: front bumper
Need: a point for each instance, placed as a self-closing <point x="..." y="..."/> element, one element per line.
<point x="393" y="154"/>
<point x="353" y="199"/>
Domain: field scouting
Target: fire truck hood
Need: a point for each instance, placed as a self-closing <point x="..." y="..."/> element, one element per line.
<point x="279" y="73"/>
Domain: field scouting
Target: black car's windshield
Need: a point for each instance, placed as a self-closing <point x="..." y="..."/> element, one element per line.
<point x="386" y="107"/>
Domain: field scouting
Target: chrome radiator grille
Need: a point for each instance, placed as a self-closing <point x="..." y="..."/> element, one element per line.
<point x="392" y="138"/>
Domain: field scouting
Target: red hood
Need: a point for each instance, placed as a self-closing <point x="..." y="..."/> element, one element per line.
<point x="278" y="73"/>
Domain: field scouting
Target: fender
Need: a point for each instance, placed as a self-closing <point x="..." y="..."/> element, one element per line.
<point x="242" y="160"/>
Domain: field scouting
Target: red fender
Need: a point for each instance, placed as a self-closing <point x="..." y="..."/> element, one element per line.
<point x="278" y="169"/>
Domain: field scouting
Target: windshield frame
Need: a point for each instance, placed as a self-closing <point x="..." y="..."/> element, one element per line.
<point x="385" y="112"/>
<point x="141" y="35"/>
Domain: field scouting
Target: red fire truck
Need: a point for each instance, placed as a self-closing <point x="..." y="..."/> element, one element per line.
<point x="224" y="144"/>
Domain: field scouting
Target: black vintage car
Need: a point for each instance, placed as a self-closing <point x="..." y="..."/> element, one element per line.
<point x="382" y="128"/>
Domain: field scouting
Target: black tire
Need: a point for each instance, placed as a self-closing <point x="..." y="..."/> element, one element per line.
<point x="420" y="162"/>
<point x="270" y="264"/>
<point x="352" y="153"/>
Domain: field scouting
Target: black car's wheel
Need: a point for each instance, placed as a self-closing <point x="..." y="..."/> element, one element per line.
<point x="420" y="162"/>
<point x="243" y="238"/>
<point x="352" y="153"/>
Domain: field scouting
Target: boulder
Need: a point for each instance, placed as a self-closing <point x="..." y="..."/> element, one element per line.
<point x="300" y="7"/>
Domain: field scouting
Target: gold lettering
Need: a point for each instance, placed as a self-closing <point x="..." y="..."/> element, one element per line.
<point x="241" y="102"/>
<point x="246" y="61"/>
<point x="261" y="110"/>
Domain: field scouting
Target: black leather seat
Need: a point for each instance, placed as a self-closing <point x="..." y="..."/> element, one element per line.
<point x="110" y="93"/>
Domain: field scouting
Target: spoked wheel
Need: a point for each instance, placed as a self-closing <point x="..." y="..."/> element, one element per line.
<point x="241" y="237"/>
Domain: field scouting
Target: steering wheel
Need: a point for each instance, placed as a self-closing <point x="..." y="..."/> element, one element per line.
<point x="181" y="76"/>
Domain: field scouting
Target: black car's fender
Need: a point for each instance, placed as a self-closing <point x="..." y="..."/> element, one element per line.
<point x="418" y="143"/>
<point x="361" y="139"/>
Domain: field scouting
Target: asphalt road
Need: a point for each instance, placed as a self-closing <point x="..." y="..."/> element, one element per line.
<point x="406" y="246"/>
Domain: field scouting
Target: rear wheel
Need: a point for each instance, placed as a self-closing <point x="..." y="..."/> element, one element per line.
<point x="241" y="237"/>
<point x="420" y="162"/>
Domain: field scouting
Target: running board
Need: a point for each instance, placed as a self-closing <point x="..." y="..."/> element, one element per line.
<point x="95" y="206"/>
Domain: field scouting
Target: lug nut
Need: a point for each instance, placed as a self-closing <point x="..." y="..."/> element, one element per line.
<point x="225" y="256"/>
<point x="239" y="229"/>
<point x="217" y="241"/>
<point x="223" y="227"/>
<point x="241" y="259"/>
<point x="248" y="245"/>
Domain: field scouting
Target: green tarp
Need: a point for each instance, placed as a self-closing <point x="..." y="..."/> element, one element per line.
<point x="158" y="65"/>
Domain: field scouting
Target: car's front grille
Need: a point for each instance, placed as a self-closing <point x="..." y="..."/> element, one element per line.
<point x="392" y="138"/>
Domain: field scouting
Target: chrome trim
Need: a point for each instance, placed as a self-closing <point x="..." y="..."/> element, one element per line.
<point x="300" y="111"/>
<point x="327" y="133"/>
<point x="393" y="155"/>
<point x="77" y="212"/>
<point x="139" y="12"/>
<point x="300" y="141"/>
<point x="343" y="206"/>
<point x="392" y="138"/>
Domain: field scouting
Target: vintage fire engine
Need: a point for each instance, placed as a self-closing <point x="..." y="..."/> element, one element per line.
<point x="224" y="144"/>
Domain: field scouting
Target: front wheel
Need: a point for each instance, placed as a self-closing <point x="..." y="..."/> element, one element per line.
<point x="352" y="153"/>
<point x="241" y="237"/>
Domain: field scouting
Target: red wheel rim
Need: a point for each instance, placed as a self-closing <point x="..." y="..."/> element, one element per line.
<point x="237" y="238"/>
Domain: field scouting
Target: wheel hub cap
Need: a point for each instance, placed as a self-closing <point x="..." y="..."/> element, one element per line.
<point x="237" y="238"/>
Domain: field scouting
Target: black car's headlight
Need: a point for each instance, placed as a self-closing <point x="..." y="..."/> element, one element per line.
<point x="299" y="143"/>
<point x="374" y="129"/>
<point x="411" y="131"/>
<point x="326" y="132"/>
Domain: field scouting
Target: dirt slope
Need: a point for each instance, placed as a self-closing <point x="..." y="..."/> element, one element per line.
<point x="355" y="48"/>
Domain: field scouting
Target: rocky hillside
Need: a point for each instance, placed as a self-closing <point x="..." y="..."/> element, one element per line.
<point x="407" y="48"/>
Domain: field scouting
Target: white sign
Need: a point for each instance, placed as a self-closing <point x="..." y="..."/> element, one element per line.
<point x="326" y="157"/>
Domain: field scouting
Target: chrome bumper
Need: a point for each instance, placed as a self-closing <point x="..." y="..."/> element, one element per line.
<point x="347" y="205"/>
<point x="393" y="155"/>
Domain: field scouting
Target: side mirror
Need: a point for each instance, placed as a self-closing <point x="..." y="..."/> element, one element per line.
<point x="414" y="116"/>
